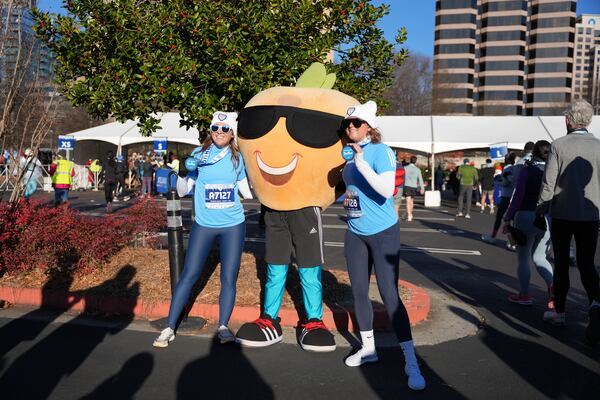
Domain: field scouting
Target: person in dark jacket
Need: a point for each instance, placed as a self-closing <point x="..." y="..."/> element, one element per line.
<point x="109" y="176"/>
<point x="486" y="180"/>
<point x="147" y="174"/>
<point x="120" y="172"/>
<point x="439" y="178"/>
<point x="522" y="211"/>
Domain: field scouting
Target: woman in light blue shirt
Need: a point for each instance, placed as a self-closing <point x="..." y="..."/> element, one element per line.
<point x="373" y="235"/>
<point x="216" y="169"/>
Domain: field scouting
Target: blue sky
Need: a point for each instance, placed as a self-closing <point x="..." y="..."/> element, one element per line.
<point x="418" y="16"/>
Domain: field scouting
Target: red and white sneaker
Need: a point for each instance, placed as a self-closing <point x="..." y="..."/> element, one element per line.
<point x="316" y="337"/>
<point x="522" y="299"/>
<point x="261" y="332"/>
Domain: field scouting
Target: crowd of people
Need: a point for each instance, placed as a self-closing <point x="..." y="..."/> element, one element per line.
<point x="547" y="196"/>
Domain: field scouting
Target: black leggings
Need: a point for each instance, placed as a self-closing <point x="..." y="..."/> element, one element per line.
<point x="382" y="251"/>
<point x="586" y="237"/>
<point x="501" y="210"/>
<point x="109" y="189"/>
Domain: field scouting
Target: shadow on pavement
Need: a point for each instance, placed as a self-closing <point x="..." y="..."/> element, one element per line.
<point x="225" y="373"/>
<point x="37" y="372"/>
<point x="551" y="373"/>
<point x="125" y="383"/>
<point x="387" y="378"/>
<point x="540" y="365"/>
<point x="54" y="302"/>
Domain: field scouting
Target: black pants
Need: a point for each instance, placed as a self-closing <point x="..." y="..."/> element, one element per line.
<point x="109" y="188"/>
<point x="500" y="211"/>
<point x="586" y="237"/>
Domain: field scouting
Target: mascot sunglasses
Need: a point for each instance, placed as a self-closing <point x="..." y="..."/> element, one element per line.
<point x="308" y="127"/>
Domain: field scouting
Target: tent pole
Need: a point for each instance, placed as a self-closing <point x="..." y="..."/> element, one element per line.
<point x="547" y="131"/>
<point x="432" y="170"/>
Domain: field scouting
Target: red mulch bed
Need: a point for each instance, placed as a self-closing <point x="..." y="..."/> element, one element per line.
<point x="146" y="271"/>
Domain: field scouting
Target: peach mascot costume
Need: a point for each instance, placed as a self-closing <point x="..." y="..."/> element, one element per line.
<point x="291" y="141"/>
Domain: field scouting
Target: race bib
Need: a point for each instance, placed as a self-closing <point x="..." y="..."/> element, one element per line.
<point x="352" y="205"/>
<point x="219" y="195"/>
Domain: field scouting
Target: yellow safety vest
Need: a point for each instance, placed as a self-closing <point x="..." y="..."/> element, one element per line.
<point x="62" y="175"/>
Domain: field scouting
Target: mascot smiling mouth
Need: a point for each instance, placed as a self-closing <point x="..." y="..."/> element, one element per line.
<point x="277" y="176"/>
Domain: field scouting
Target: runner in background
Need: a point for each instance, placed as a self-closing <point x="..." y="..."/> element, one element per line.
<point x="413" y="184"/>
<point x="486" y="180"/>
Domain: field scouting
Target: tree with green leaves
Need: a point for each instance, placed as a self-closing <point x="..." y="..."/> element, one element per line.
<point x="133" y="58"/>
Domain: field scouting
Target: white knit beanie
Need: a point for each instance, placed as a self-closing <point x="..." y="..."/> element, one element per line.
<point x="229" y="118"/>
<point x="367" y="112"/>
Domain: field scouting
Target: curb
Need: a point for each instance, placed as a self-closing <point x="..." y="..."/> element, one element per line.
<point x="342" y="319"/>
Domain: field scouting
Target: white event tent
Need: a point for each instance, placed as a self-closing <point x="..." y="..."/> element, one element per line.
<point x="123" y="134"/>
<point x="440" y="134"/>
<point x="425" y="134"/>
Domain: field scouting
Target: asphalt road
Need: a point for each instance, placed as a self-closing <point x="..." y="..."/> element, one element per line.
<point x="513" y="356"/>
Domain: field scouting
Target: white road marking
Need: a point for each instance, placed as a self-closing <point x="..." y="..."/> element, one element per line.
<point x="402" y="229"/>
<point x="403" y="247"/>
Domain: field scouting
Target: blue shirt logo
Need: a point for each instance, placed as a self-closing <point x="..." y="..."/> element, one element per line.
<point x="347" y="153"/>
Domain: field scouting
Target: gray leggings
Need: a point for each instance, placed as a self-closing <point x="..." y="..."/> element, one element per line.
<point x="465" y="191"/>
<point x="535" y="248"/>
<point x="381" y="251"/>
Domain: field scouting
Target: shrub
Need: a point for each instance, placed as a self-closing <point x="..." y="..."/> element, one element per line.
<point x="35" y="235"/>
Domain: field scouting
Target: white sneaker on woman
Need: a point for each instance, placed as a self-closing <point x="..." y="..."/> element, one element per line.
<point x="225" y="335"/>
<point x="361" y="357"/>
<point x="166" y="336"/>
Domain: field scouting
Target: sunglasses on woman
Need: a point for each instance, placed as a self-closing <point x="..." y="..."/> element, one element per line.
<point x="308" y="127"/>
<point x="215" y="128"/>
<point x="357" y="123"/>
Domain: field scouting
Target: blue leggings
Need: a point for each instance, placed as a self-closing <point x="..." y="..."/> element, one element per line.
<point x="231" y="241"/>
<point x="382" y="251"/>
<point x="535" y="249"/>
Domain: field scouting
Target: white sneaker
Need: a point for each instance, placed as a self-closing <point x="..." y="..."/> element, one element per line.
<point x="361" y="357"/>
<point x="225" y="335"/>
<point x="115" y="200"/>
<point x="166" y="336"/>
<point x="468" y="216"/>
<point x="555" y="318"/>
<point x="459" y="214"/>
<point x="415" y="379"/>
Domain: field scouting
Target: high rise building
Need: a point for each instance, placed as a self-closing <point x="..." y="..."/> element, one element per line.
<point x="503" y="57"/>
<point x="20" y="49"/>
<point x="586" y="74"/>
